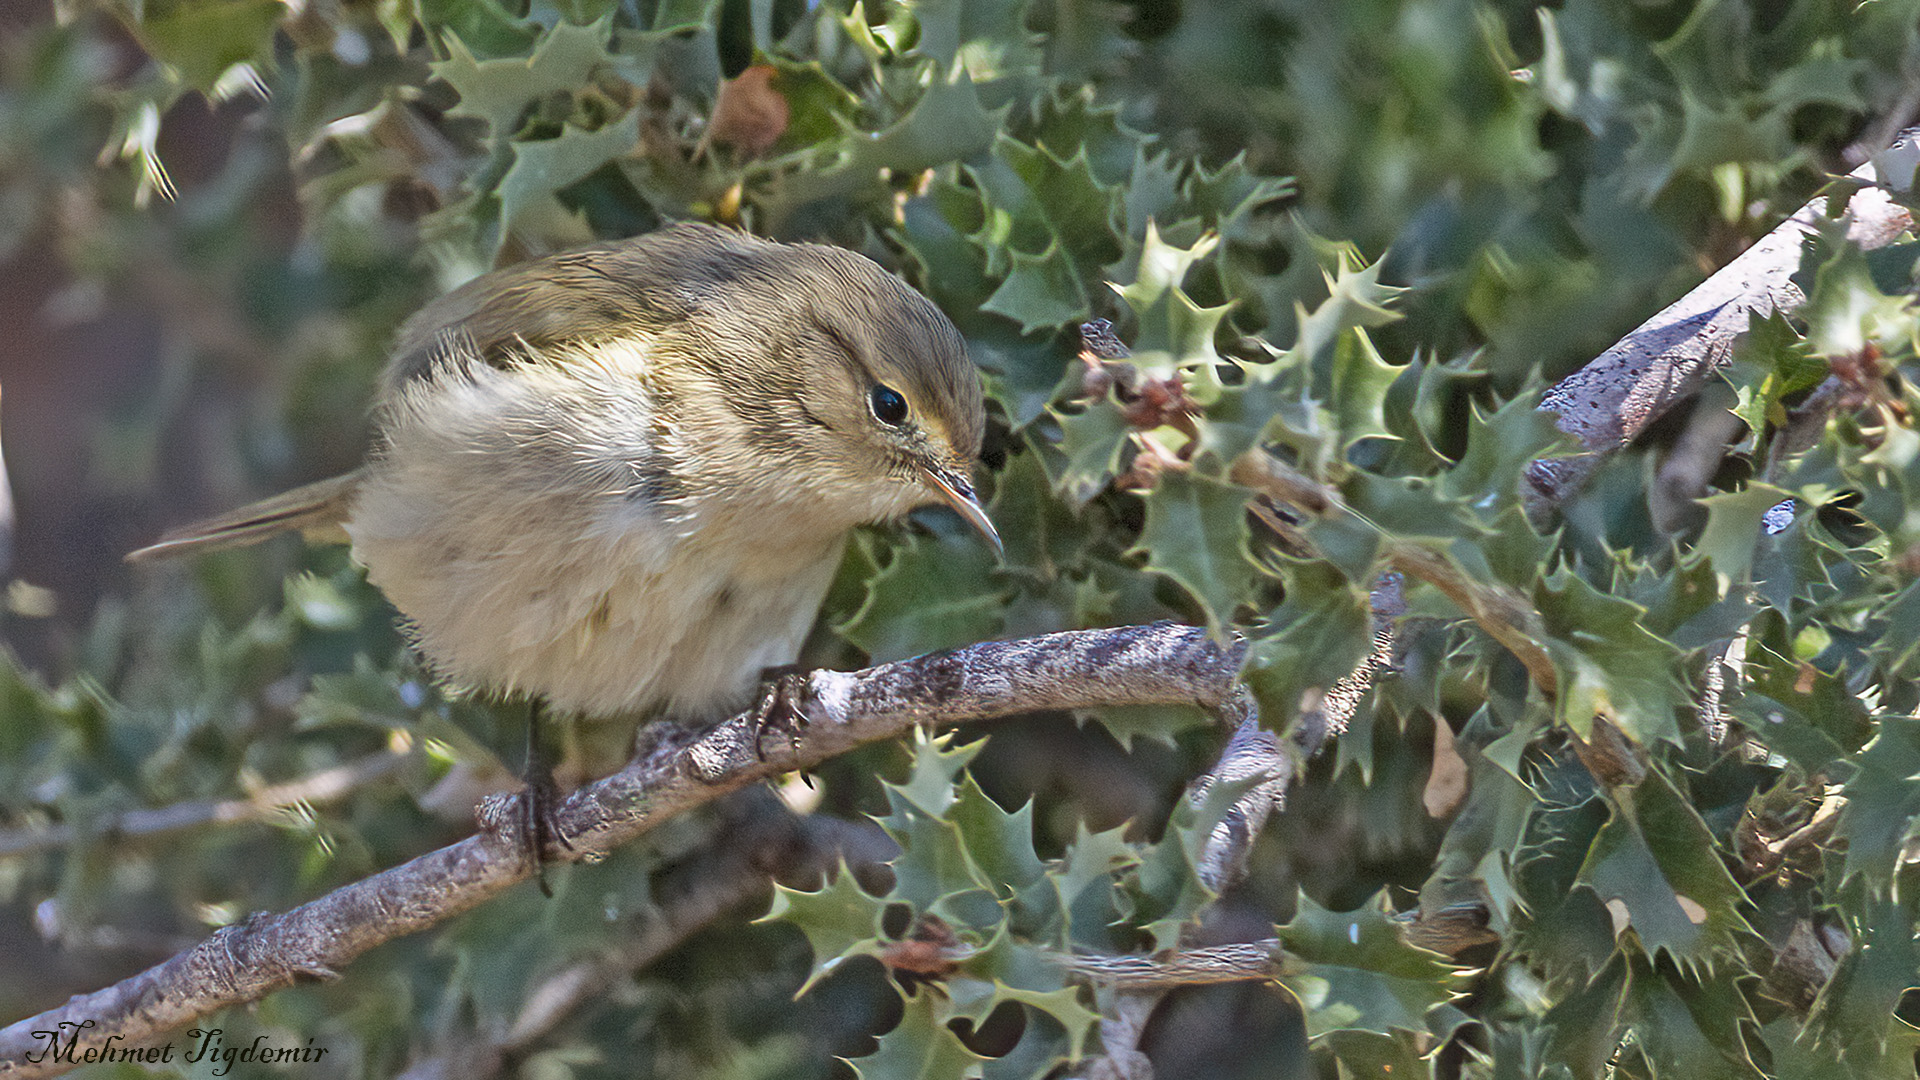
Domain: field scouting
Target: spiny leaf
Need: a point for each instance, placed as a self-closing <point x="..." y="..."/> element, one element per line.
<point x="1500" y="446"/>
<point x="1319" y="636"/>
<point x="1771" y="363"/>
<point x="933" y="871"/>
<point x="947" y="123"/>
<point x="921" y="1047"/>
<point x="1036" y="202"/>
<point x="1655" y="866"/>
<point x="1355" y="970"/>
<point x="1282" y="399"/>
<point x="1175" y="334"/>
<point x="1196" y="534"/>
<point x="1083" y="879"/>
<point x="1854" y="1015"/>
<point x="499" y="91"/>
<point x="1883" y="804"/>
<point x="1608" y="664"/>
<point x="1167" y="890"/>
<point x="937" y="763"/>
<point x="1000" y="843"/>
<point x="1807" y="715"/>
<point x="542" y="167"/>
<point x="840" y="920"/>
<point x="1688" y="1029"/>
<point x="1042" y="533"/>
<point x="1846" y="310"/>
<point x="201" y="39"/>
<point x="1733" y="530"/>
<point x="1040" y="291"/>
<point x="936" y="593"/>
<point x="1008" y="970"/>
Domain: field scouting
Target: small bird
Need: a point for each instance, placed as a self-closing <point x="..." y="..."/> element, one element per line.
<point x="618" y="481"/>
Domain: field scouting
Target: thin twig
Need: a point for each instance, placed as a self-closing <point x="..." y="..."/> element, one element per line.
<point x="325" y="786"/>
<point x="6" y="521"/>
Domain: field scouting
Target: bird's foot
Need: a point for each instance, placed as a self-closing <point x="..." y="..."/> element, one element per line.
<point x="525" y="821"/>
<point x="781" y="709"/>
<point x="536" y="824"/>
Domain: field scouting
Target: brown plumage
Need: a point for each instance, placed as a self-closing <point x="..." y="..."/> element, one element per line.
<point x="619" y="479"/>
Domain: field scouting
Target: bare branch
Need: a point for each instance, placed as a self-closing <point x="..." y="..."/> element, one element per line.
<point x="1236" y="962"/>
<point x="678" y="770"/>
<point x="1609" y="402"/>
<point x="1254" y="756"/>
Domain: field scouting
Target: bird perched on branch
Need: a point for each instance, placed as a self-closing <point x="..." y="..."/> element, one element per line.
<point x="617" y="481"/>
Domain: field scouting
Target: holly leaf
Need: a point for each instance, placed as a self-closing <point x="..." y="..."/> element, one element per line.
<point x="1174" y="333"/>
<point x="1354" y="970"/>
<point x="199" y="40"/>
<point x="1041" y="532"/>
<point x="528" y="206"/>
<point x="1771" y="362"/>
<point x="1688" y="1029"/>
<point x="1883" y="804"/>
<point x="1807" y="715"/>
<point x="1091" y="440"/>
<point x="499" y="91"/>
<point x="1846" y="310"/>
<point x="1320" y="634"/>
<point x="1196" y="535"/>
<point x="1657" y="868"/>
<point x="1082" y="881"/>
<point x="937" y="762"/>
<point x="1608" y="664"/>
<point x="1168" y="892"/>
<point x="840" y="920"/>
<point x="933" y="872"/>
<point x="1000" y="843"/>
<point x="938" y="591"/>
<point x="920" y="1047"/>
<point x="1854" y="1015"/>
<point x="1054" y="220"/>
<point x="947" y="123"/>
<point x="1734" y="531"/>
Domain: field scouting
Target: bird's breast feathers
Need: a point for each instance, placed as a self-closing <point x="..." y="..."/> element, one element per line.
<point x="573" y="565"/>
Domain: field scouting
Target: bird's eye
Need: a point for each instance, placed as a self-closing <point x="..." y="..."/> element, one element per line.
<point x="888" y="406"/>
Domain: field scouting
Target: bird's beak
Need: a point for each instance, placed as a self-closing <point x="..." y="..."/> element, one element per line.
<point x="958" y="491"/>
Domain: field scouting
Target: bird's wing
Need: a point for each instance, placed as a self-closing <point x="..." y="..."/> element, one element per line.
<point x="587" y="295"/>
<point x="319" y="507"/>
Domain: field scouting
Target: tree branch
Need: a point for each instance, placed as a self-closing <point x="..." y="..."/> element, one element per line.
<point x="1609" y="402"/>
<point x="677" y="770"/>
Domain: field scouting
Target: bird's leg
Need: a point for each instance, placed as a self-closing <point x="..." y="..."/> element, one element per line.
<point x="539" y="799"/>
<point x="782" y="705"/>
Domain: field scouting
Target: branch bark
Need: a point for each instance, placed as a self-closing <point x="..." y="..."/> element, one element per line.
<point x="679" y="769"/>
<point x="1610" y="401"/>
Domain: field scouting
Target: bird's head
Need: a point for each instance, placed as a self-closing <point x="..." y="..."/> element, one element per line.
<point x="831" y="379"/>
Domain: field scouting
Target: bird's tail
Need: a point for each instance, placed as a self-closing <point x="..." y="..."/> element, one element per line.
<point x="319" y="507"/>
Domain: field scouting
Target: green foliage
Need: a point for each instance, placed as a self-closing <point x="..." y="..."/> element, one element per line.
<point x="1355" y="238"/>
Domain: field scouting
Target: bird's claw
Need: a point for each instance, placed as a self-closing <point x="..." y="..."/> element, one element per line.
<point x="535" y="824"/>
<point x="782" y="707"/>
